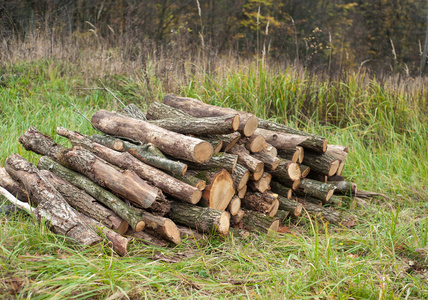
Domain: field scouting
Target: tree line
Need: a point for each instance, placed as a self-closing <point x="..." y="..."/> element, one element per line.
<point x="384" y="35"/>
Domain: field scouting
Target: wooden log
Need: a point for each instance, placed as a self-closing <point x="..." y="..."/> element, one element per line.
<point x="262" y="203"/>
<point x="319" y="190"/>
<point x="203" y="219"/>
<point x="126" y="184"/>
<point x="248" y="122"/>
<point x="200" y="126"/>
<point x="163" y="227"/>
<point x="237" y="218"/>
<point x="271" y="150"/>
<point x="245" y="159"/>
<point x="124" y="160"/>
<point x="158" y="110"/>
<point x="219" y="190"/>
<point x="12" y="186"/>
<point x="258" y="222"/>
<point x="313" y="142"/>
<point x="340" y="152"/>
<point x="282" y="215"/>
<point x="261" y="185"/>
<point x="321" y="163"/>
<point x="317" y="176"/>
<point x="281" y="140"/>
<point x="286" y="170"/>
<point x="241" y="193"/>
<point x="238" y="232"/>
<point x="50" y="204"/>
<point x="304" y="170"/>
<point x="308" y="199"/>
<point x="274" y="209"/>
<point x="171" y="143"/>
<point x="234" y="206"/>
<point x="293" y="154"/>
<point x="281" y="190"/>
<point x="220" y="160"/>
<point x="240" y="176"/>
<point x="189" y="178"/>
<point x="132" y="216"/>
<point x="323" y="214"/>
<point x="290" y="205"/>
<point x="189" y="233"/>
<point x="147" y="153"/>
<point x="344" y="187"/>
<point x="86" y="204"/>
<point x="227" y="140"/>
<point x="148" y="238"/>
<point x="257" y="175"/>
<point x="336" y="201"/>
<point x="254" y="143"/>
<point x="270" y="162"/>
<point x="132" y="110"/>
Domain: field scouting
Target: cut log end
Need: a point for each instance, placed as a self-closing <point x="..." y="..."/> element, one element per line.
<point x="294" y="171"/>
<point x="301" y="154"/>
<point x="122" y="228"/>
<point x="333" y="167"/>
<point x="234" y="206"/>
<point x="295" y="184"/>
<point x="235" y="123"/>
<point x="224" y="224"/>
<point x="217" y="147"/>
<point x="340" y="168"/>
<point x="203" y="152"/>
<point x="329" y="194"/>
<point x="258" y="174"/>
<point x="244" y="180"/>
<point x="274" y="209"/>
<point x="223" y="191"/>
<point x="298" y="210"/>
<point x="172" y="232"/>
<point x="140" y="226"/>
<point x="250" y="126"/>
<point x="324" y="146"/>
<point x="196" y="196"/>
<point x="275" y="225"/>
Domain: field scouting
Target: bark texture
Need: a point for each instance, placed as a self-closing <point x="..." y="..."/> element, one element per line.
<point x="245" y="159"/>
<point x="258" y="222"/>
<point x="281" y="140"/>
<point x="321" y="163"/>
<point x="12" y="186"/>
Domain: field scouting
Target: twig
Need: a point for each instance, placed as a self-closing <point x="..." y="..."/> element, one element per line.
<point x="111" y="93"/>
<point x="19" y="204"/>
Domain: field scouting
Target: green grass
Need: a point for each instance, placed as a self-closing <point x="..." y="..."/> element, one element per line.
<point x="384" y="127"/>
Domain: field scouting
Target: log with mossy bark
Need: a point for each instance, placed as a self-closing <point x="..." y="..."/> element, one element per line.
<point x="174" y="144"/>
<point x="290" y="205"/>
<point x="270" y="162"/>
<point x="147" y="153"/>
<point x="282" y="215"/>
<point x="281" y="189"/>
<point x="305" y="170"/>
<point x="50" y="204"/>
<point x="344" y="187"/>
<point x="313" y="142"/>
<point x="203" y="219"/>
<point x="286" y="170"/>
<point x="258" y="222"/>
<point x="218" y="160"/>
<point x="85" y="203"/>
<point x="261" y="185"/>
<point x="124" y="160"/>
<point x="247" y="125"/>
<point x="281" y="140"/>
<point x="321" y="163"/>
<point x="129" y="214"/>
<point x="254" y="143"/>
<point x="14" y="187"/>
<point x="191" y="179"/>
<point x="126" y="183"/>
<point x="219" y="190"/>
<point x="317" y="189"/>
<point x="245" y="159"/>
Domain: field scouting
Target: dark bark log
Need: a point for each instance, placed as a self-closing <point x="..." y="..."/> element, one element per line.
<point x="85" y="203"/>
<point x="50" y="204"/>
<point x="261" y="185"/>
<point x="321" y="163"/>
<point x="200" y="126"/>
<point x="237" y="218"/>
<point x="248" y="122"/>
<point x="316" y="176"/>
<point x="293" y="154"/>
<point x="286" y="170"/>
<point x="314" y="142"/>
<point x="262" y="203"/>
<point x="219" y="190"/>
<point x="281" y="190"/>
<point x="220" y="160"/>
<point x="290" y="205"/>
<point x="322" y="213"/>
<point x="240" y="176"/>
<point x="312" y="188"/>
<point x="245" y="159"/>
<point x="159" y="179"/>
<point x="171" y="143"/>
<point x="163" y="227"/>
<point x="12" y="186"/>
<point x="254" y="143"/>
<point x="281" y="140"/>
<point x="304" y="170"/>
<point x="258" y="222"/>
<point x="270" y="162"/>
<point x="336" y="201"/>
<point x="234" y="206"/>
<point x="132" y="216"/>
<point x="344" y="187"/>
<point x="238" y="232"/>
<point x="147" y="153"/>
<point x="227" y="140"/>
<point x="308" y="199"/>
<point x="282" y="215"/>
<point x="203" y="219"/>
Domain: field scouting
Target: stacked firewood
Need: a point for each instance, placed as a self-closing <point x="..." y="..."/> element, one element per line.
<point x="180" y="168"/>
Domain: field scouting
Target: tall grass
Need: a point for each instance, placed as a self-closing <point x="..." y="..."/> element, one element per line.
<point x="383" y="121"/>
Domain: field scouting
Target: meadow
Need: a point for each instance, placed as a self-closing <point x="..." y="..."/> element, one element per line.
<point x="383" y="120"/>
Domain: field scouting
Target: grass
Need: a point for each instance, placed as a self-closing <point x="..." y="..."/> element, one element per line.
<point x="383" y="122"/>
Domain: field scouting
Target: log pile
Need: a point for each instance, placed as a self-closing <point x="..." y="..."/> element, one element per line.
<point x="180" y="169"/>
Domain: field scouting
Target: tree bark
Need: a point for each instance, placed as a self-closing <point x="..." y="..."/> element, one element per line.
<point x="227" y="140"/>
<point x="147" y="153"/>
<point x="254" y="143"/>
<point x="247" y="125"/>
<point x="158" y="110"/>
<point x="322" y="213"/>
<point x="317" y="176"/>
<point x="132" y="216"/>
<point x="237" y="218"/>
<point x="190" y="179"/>
<point x="149" y="238"/>
<point x="304" y="170"/>
<point x="164" y="227"/>
<point x="295" y="154"/>
<point x="340" y="152"/>
<point x="344" y="187"/>
<point x="85" y="203"/>
<point x="220" y="160"/>
<point x="245" y="159"/>
<point x="281" y="189"/>
<point x="190" y="234"/>
<point x="261" y="185"/>
<point x="270" y="162"/>
<point x="262" y="203"/>
<point x="131" y="110"/>
<point x="258" y="222"/>
<point x="219" y="190"/>
<point x="286" y="170"/>
<point x="203" y="219"/>
<point x="271" y="150"/>
<point x="316" y="189"/>
<point x="171" y="143"/>
<point x="290" y="205"/>
<point x="321" y="163"/>
<point x="282" y="215"/>
<point x="313" y="142"/>
<point x="50" y="204"/>
<point x="12" y="186"/>
<point x="159" y="179"/>
<point x="281" y="140"/>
